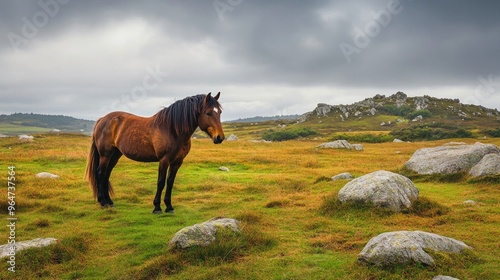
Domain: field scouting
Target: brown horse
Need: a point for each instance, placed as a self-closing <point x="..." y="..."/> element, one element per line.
<point x="164" y="137"/>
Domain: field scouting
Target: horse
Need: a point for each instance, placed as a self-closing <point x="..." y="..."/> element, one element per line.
<point x="164" y="137"/>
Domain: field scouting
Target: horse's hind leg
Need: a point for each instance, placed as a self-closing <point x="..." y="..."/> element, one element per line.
<point x="106" y="164"/>
<point x="170" y="185"/>
<point x="113" y="160"/>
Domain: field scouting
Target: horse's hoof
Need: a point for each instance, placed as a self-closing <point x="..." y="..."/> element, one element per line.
<point x="170" y="211"/>
<point x="157" y="212"/>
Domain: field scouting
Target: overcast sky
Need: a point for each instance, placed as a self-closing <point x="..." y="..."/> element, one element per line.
<point x="87" y="58"/>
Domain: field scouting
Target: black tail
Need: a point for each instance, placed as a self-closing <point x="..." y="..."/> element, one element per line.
<point x="92" y="165"/>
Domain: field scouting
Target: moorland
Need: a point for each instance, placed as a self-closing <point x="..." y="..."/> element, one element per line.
<point x="291" y="224"/>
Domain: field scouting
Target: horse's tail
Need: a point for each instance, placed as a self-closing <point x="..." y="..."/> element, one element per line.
<point x="92" y="165"/>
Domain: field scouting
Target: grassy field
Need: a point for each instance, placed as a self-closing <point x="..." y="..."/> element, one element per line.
<point x="281" y="192"/>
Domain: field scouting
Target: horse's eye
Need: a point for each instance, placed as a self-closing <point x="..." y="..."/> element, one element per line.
<point x="209" y="114"/>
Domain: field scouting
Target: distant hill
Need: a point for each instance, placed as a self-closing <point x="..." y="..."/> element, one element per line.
<point x="382" y="118"/>
<point x="36" y="123"/>
<point x="399" y="110"/>
<point x="264" y="119"/>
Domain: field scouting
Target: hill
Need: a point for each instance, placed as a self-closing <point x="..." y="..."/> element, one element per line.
<point x="381" y="112"/>
<point x="264" y="119"/>
<point x="35" y="123"/>
<point x="406" y="118"/>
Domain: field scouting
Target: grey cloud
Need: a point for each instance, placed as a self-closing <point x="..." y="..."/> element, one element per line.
<point x="263" y="44"/>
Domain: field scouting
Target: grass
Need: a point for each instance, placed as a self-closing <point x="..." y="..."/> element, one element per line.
<point x="292" y="227"/>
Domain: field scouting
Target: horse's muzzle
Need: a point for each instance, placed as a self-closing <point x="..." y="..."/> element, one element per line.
<point x="218" y="139"/>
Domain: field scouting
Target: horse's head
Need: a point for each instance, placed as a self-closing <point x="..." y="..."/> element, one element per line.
<point x="209" y="119"/>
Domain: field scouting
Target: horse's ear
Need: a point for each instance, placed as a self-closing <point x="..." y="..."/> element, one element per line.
<point x="217" y="96"/>
<point x="207" y="98"/>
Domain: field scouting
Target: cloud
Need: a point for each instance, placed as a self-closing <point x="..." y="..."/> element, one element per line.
<point x="267" y="57"/>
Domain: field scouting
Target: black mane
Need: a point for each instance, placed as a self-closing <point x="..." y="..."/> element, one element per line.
<point x="182" y="116"/>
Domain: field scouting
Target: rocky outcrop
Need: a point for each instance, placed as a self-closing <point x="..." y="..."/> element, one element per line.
<point x="202" y="234"/>
<point x="401" y="247"/>
<point x="381" y="188"/>
<point x="449" y="159"/>
<point x="375" y="105"/>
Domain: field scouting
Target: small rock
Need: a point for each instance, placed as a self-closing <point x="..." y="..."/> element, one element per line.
<point x="470" y="202"/>
<point x="342" y="176"/>
<point x="397" y="141"/>
<point x="232" y="137"/>
<point x="443" y="277"/>
<point x="46" y="175"/>
<point x="22" y="245"/>
<point x="223" y="168"/>
<point x="338" y="144"/>
<point x="455" y="143"/>
<point x="358" y="147"/>
<point x="25" y="138"/>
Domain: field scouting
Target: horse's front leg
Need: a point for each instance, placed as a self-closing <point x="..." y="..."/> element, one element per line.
<point x="170" y="184"/>
<point x="162" y="174"/>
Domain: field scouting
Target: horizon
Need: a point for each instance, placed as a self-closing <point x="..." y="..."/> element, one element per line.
<point x="250" y="117"/>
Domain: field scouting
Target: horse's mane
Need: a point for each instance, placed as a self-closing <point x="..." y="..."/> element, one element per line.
<point x="182" y="116"/>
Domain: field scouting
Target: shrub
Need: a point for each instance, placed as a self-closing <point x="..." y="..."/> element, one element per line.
<point x="424" y="113"/>
<point x="394" y="110"/>
<point x="405" y="111"/>
<point x="288" y="134"/>
<point x="434" y="131"/>
<point x="492" y="132"/>
<point x="364" y="138"/>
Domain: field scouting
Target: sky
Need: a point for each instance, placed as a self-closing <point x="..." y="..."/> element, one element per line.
<point x="266" y="57"/>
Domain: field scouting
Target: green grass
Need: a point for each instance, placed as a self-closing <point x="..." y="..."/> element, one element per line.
<point x="15" y="129"/>
<point x="292" y="225"/>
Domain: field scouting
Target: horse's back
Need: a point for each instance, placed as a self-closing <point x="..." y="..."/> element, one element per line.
<point x="129" y="133"/>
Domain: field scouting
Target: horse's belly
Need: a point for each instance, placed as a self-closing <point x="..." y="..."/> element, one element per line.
<point x="140" y="154"/>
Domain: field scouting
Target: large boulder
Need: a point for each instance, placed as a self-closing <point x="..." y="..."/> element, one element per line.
<point x="449" y="159"/>
<point x="401" y="247"/>
<point x="382" y="188"/>
<point x="202" y="234"/>
<point x="489" y="165"/>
